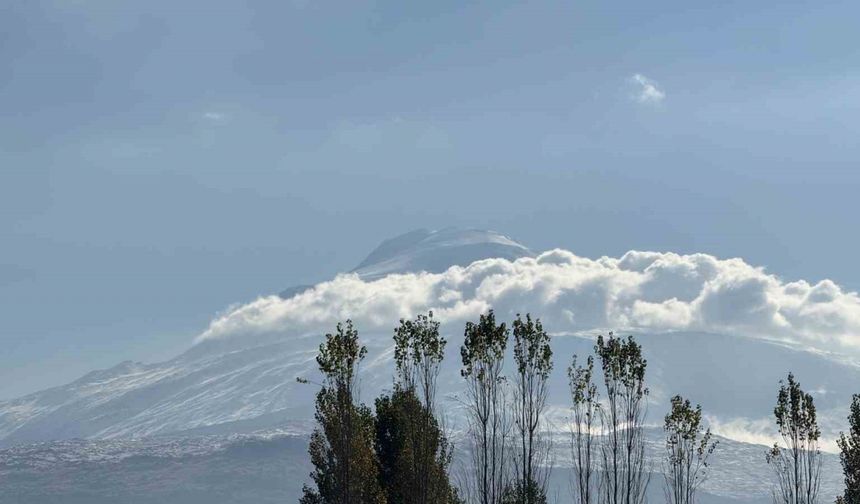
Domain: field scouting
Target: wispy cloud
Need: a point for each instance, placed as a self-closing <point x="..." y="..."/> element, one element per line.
<point x="215" y="116"/>
<point x="647" y="91"/>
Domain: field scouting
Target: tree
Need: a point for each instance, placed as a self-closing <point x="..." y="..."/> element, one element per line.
<point x="624" y="475"/>
<point x="796" y="465"/>
<point x="533" y="358"/>
<point x="849" y="447"/>
<point x="586" y="404"/>
<point x="341" y="446"/>
<point x="418" y="354"/>
<point x="406" y="474"/>
<point x="517" y="493"/>
<point x="483" y="356"/>
<point x="688" y="447"/>
<point x="414" y="452"/>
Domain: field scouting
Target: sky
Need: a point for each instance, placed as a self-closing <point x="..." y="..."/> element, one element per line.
<point x="161" y="161"/>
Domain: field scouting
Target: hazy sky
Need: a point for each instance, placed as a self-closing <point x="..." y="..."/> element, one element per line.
<point x="159" y="163"/>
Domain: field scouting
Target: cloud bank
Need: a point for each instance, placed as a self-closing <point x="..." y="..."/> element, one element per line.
<point x="649" y="291"/>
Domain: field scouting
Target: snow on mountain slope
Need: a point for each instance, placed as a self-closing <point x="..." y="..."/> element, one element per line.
<point x="689" y="312"/>
<point x="271" y="465"/>
<point x="430" y="251"/>
<point x="735" y="379"/>
<point x="436" y="251"/>
<point x="218" y="384"/>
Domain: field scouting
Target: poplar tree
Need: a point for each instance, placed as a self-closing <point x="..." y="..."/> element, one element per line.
<point x="533" y="359"/>
<point x="624" y="476"/>
<point x="341" y="446"/>
<point x="849" y="446"/>
<point x="688" y="448"/>
<point x="585" y="409"/>
<point x="414" y="453"/>
<point x="483" y="356"/>
<point x="797" y="464"/>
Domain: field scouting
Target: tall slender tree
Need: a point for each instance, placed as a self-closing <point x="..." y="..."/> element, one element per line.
<point x="483" y="356"/>
<point x="414" y="452"/>
<point x="849" y="446"/>
<point x="624" y="473"/>
<point x="533" y="359"/>
<point x="341" y="446"/>
<point x="688" y="448"/>
<point x="796" y="464"/>
<point x="586" y="404"/>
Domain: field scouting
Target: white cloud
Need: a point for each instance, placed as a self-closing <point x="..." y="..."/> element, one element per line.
<point x="649" y="291"/>
<point x="215" y="117"/>
<point x="647" y="90"/>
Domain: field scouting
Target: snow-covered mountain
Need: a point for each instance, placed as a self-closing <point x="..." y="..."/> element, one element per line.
<point x="431" y="251"/>
<point x="217" y="383"/>
<point x="706" y="326"/>
<point x="436" y="251"/>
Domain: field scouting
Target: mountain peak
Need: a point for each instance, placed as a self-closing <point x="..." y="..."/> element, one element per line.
<point x="436" y="251"/>
<point x="433" y="251"/>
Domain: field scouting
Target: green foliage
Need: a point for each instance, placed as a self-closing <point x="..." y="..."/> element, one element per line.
<point x="624" y="475"/>
<point x="412" y="448"/>
<point x="623" y="365"/>
<point x="849" y="446"/>
<point x="688" y="447"/>
<point x="413" y="452"/>
<point x="586" y="408"/>
<point x="795" y="412"/>
<point x="797" y="465"/>
<point x="483" y="354"/>
<point x="518" y="493"/>
<point x="532" y="351"/>
<point x="339" y="357"/>
<point x="533" y="358"/>
<point x="418" y="351"/>
<point x="484" y="346"/>
<point x="341" y="447"/>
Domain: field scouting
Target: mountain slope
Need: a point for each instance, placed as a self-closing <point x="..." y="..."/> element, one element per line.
<point x="735" y="379"/>
<point x="271" y="466"/>
<point x="246" y="381"/>
<point x="436" y="251"/>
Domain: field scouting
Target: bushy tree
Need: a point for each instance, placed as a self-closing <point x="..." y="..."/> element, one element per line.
<point x="586" y="408"/>
<point x="414" y="452"/>
<point x="849" y="446"/>
<point x="797" y="464"/>
<point x="341" y="446"/>
<point x="517" y="493"/>
<point x="533" y="359"/>
<point x="688" y="447"/>
<point x="624" y="476"/>
<point x="483" y="356"/>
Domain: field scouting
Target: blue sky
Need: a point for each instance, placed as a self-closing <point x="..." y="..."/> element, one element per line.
<point x="159" y="163"/>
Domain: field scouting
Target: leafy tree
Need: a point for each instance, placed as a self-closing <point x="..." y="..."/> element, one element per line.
<point x="414" y="452"/>
<point x="483" y="356"/>
<point x="850" y="454"/>
<point x="624" y="475"/>
<point x="797" y="465"/>
<point x="533" y="358"/>
<point x="688" y="447"/>
<point x="341" y="447"/>
<point x="517" y="493"/>
<point x="404" y="474"/>
<point x="586" y="408"/>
